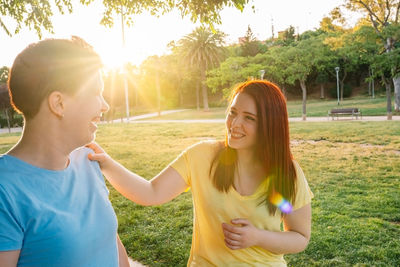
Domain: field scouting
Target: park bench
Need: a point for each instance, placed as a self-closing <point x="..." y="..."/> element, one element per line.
<point x="336" y="112"/>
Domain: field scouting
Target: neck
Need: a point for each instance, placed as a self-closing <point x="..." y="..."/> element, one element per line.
<point x="248" y="164"/>
<point x="247" y="158"/>
<point x="249" y="173"/>
<point x="41" y="145"/>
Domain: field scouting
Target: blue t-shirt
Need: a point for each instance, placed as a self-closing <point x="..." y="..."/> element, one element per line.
<point x="57" y="218"/>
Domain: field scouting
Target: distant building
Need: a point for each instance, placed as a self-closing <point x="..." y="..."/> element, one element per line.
<point x="242" y="40"/>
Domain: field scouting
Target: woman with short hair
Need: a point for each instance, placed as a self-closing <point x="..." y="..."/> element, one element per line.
<point x="54" y="206"/>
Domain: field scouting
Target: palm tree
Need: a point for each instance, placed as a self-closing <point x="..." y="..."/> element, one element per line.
<point x="202" y="49"/>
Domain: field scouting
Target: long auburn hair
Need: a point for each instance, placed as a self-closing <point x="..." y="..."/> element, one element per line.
<point x="273" y="144"/>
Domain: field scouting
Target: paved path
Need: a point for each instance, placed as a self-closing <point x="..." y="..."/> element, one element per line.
<point x="133" y="263"/>
<point x="149" y="115"/>
<point x="309" y="119"/>
<point x="140" y="119"/>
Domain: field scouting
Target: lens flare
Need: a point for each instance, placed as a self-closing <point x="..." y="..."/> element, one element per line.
<point x="281" y="203"/>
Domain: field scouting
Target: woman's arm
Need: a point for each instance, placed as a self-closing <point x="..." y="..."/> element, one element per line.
<point x="9" y="258"/>
<point x="122" y="255"/>
<point x="294" y="239"/>
<point x="162" y="188"/>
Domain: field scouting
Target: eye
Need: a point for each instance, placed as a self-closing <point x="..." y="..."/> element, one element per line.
<point x="232" y="113"/>
<point x="250" y="118"/>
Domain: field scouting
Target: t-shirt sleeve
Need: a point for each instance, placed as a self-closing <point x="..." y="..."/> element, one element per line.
<point x="303" y="194"/>
<point x="182" y="165"/>
<point x="11" y="232"/>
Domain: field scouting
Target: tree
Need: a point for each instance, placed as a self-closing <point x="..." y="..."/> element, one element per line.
<point x="274" y="65"/>
<point x="249" y="45"/>
<point x="287" y="37"/>
<point x="37" y="14"/>
<point x="4" y="74"/>
<point x="232" y="71"/>
<point x="202" y="49"/>
<point x="325" y="60"/>
<point x="384" y="17"/>
<point x="300" y="62"/>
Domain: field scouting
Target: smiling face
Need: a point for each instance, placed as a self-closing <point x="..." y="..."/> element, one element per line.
<point x="242" y="122"/>
<point x="84" y="110"/>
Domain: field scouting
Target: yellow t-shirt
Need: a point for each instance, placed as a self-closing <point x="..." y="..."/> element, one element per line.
<point x="212" y="208"/>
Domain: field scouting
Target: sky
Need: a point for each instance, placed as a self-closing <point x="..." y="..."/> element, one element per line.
<point x="150" y="35"/>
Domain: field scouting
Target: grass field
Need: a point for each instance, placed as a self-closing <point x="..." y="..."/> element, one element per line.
<point x="353" y="168"/>
<point x="315" y="108"/>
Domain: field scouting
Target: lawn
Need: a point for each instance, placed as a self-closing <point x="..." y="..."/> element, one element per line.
<point x="353" y="168"/>
<point x="315" y="108"/>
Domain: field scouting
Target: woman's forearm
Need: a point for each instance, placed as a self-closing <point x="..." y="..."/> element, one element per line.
<point x="287" y="242"/>
<point x="129" y="184"/>
<point x="162" y="188"/>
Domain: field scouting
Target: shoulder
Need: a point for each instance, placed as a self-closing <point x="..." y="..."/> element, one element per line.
<point x="80" y="161"/>
<point x="298" y="170"/>
<point x="81" y="153"/>
<point x="10" y="170"/>
<point x="301" y="180"/>
<point x="206" y="148"/>
<point x="80" y="156"/>
<point x="206" y="145"/>
<point x="201" y="153"/>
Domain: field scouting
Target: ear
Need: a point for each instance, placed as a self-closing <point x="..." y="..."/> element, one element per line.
<point x="56" y="102"/>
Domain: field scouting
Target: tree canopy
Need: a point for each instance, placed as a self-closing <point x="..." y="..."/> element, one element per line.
<point x="37" y="14"/>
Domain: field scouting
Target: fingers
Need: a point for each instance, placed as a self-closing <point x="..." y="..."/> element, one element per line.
<point x="242" y="222"/>
<point x="231" y="228"/>
<point x="233" y="237"/>
<point x="95" y="157"/>
<point x="232" y="241"/>
<point x="232" y="244"/>
<point x="95" y="147"/>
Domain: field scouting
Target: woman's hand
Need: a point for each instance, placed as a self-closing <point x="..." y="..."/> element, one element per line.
<point x="242" y="234"/>
<point x="99" y="154"/>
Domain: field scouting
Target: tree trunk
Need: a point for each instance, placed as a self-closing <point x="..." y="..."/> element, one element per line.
<point x="304" y="89"/>
<point x="389" y="45"/>
<point x="204" y="90"/>
<point x="388" y="97"/>
<point x="396" y="82"/>
<point x="8" y="120"/>
<point x="198" y="95"/>
<point x="322" y="91"/>
<point x="284" y="91"/>
<point x="158" y="94"/>
<point x="342" y="84"/>
<point x="370" y="82"/>
<point x="180" y="98"/>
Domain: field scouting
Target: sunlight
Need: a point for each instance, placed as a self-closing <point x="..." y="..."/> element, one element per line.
<point x="113" y="59"/>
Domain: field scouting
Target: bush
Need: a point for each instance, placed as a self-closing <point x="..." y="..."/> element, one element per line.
<point x="17" y="121"/>
<point x="346" y="93"/>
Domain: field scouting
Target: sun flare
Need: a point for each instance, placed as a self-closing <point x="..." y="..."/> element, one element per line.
<point x="113" y="58"/>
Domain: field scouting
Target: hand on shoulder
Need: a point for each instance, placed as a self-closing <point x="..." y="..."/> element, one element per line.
<point x="99" y="154"/>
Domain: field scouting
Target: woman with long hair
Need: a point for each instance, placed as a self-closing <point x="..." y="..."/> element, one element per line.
<point x="242" y="189"/>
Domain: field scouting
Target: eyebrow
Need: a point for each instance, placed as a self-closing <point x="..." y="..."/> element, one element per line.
<point x="246" y="112"/>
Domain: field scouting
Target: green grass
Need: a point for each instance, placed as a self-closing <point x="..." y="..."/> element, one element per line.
<point x="353" y="168"/>
<point x="315" y="108"/>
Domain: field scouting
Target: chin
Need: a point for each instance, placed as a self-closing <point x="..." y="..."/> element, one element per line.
<point x="88" y="140"/>
<point x="92" y="138"/>
<point x="232" y="144"/>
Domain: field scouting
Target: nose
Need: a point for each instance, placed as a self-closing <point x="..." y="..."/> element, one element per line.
<point x="236" y="122"/>
<point x="104" y="105"/>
